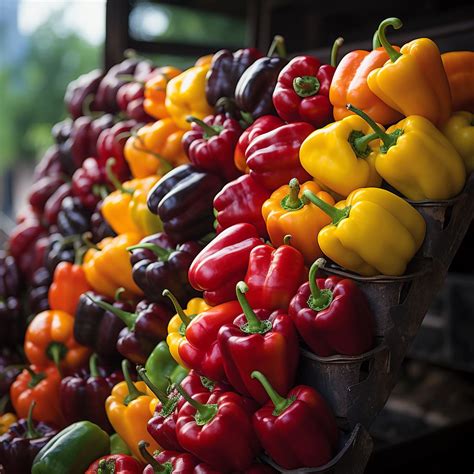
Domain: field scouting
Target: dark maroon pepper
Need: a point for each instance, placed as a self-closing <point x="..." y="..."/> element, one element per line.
<point x="10" y="363"/>
<point x="39" y="288"/>
<point x="89" y="183"/>
<point x="54" y="203"/>
<point x="81" y="91"/>
<point x="73" y="218"/>
<point x="49" y="165"/>
<point x="42" y="190"/>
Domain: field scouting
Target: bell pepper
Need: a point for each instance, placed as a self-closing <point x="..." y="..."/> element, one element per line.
<point x="42" y="387"/>
<point x="49" y="337"/>
<point x="72" y="449"/>
<point x="459" y="130"/>
<point x="118" y="445"/>
<point x="349" y="85"/>
<point x="89" y="183"/>
<point x="417" y="64"/>
<point x="287" y="213"/>
<point x="155" y="91"/>
<point x="210" y="144"/>
<point x="6" y="418"/>
<point x="186" y="95"/>
<point x="128" y="411"/>
<point x="49" y="164"/>
<point x="332" y="315"/>
<point x="417" y="136"/>
<point x="273" y="157"/>
<point x="9" y="369"/>
<point x="274" y="276"/>
<point x="42" y="190"/>
<point x="373" y="231"/>
<point x="38" y="294"/>
<point x="160" y="263"/>
<point x="61" y="133"/>
<point x="54" y="204"/>
<point x="82" y="395"/>
<point x="183" y="201"/>
<point x="302" y="91"/>
<point x="240" y="201"/>
<point x="260" y="126"/>
<point x="262" y="339"/>
<point x="73" y="217"/>
<point x="22" y="441"/>
<point x="115" y="464"/>
<point x="341" y="156"/>
<point x="298" y="431"/>
<point x="155" y="148"/>
<point x="78" y="91"/>
<point x="69" y="282"/>
<point x="99" y="227"/>
<point x="179" y="322"/>
<point x="223" y="262"/>
<point x="130" y="98"/>
<point x="108" y="267"/>
<point x="253" y="92"/>
<point x="216" y="427"/>
<point x="459" y="67"/>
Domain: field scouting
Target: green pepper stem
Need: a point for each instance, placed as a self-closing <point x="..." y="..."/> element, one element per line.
<point x="254" y="325"/>
<point x="162" y="397"/>
<point x="319" y="299"/>
<point x="287" y="239"/>
<point x="31" y="431"/>
<point x="337" y="215"/>
<point x="118" y="293"/>
<point x="79" y="255"/>
<point x="162" y="253"/>
<point x="179" y="310"/>
<point x="335" y="50"/>
<point x="278" y="47"/>
<point x="164" y="163"/>
<point x="128" y="318"/>
<point x="112" y="177"/>
<point x="396" y="23"/>
<point x="204" y="412"/>
<point x="36" y="378"/>
<point x="209" y="130"/>
<point x="156" y="466"/>
<point x="56" y="351"/>
<point x="93" y="369"/>
<point x="133" y="392"/>
<point x="306" y="86"/>
<point x="86" y="238"/>
<point x="376" y="41"/>
<point x="292" y="202"/>
<point x="280" y="403"/>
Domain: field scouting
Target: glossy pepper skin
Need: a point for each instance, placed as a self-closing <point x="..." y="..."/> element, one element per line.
<point x="183" y="201"/>
<point x="210" y="144"/>
<point x="72" y="449"/>
<point x="6" y="418"/>
<point x="186" y="95"/>
<point x="372" y="232"/>
<point x="302" y="90"/>
<point x="160" y="263"/>
<point x="332" y="315"/>
<point x="223" y="262"/>
<point x="259" y="339"/>
<point x="240" y="201"/>
<point x="115" y="463"/>
<point x="459" y="67"/>
<point x="273" y="158"/>
<point x="89" y="183"/>
<point x="49" y="165"/>
<point x="274" y="276"/>
<point x="82" y="395"/>
<point x="73" y="218"/>
<point x="459" y="130"/>
<point x="155" y="148"/>
<point x="78" y="90"/>
<point x="39" y="289"/>
<point x="54" y="204"/>
<point x="418" y="63"/>
<point x="297" y="431"/>
<point x="287" y="213"/>
<point x="155" y="91"/>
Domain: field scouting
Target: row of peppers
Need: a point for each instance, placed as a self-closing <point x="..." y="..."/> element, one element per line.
<point x="138" y="215"/>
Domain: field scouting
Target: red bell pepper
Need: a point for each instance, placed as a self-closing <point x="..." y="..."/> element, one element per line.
<point x="89" y="183"/>
<point x="259" y="339"/>
<point x="332" y="315"/>
<point x="273" y="158"/>
<point x="240" y="201"/>
<point x="274" y="276"/>
<point x="210" y="144"/>
<point x="297" y="431"/>
<point x="262" y="125"/>
<point x="302" y="90"/>
<point x="167" y="462"/>
<point x="115" y="464"/>
<point x="223" y="262"/>
<point x="217" y="428"/>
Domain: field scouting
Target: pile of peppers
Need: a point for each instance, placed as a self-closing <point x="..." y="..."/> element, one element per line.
<point x="163" y="277"/>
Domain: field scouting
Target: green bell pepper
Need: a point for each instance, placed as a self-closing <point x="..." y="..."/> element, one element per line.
<point x="118" y="445"/>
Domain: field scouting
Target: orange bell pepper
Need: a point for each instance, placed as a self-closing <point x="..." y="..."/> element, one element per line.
<point x="155" y="91"/>
<point x="459" y="67"/>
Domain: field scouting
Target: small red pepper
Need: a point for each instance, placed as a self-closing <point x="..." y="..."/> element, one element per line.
<point x="259" y="339"/>
<point x="297" y="431"/>
<point x="115" y="464"/>
<point x="167" y="462"/>
<point x="274" y="276"/>
<point x="332" y="315"/>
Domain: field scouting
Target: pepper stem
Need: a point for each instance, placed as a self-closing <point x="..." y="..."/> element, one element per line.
<point x="278" y="47"/>
<point x="56" y="351"/>
<point x="280" y="403"/>
<point x="93" y="369"/>
<point x="179" y="310"/>
<point x="306" y="86"/>
<point x="165" y="165"/>
<point x="158" y="468"/>
<point x="209" y="130"/>
<point x="36" y="378"/>
<point x="287" y="239"/>
<point x="319" y="299"/>
<point x="162" y="397"/>
<point x="292" y="202"/>
<point x="106" y="466"/>
<point x="335" y="50"/>
<point x="128" y="318"/>
<point x="337" y="215"/>
<point x="162" y="253"/>
<point x="204" y="412"/>
<point x="376" y="41"/>
<point x="31" y="431"/>
<point x="253" y="325"/>
<point x="133" y="392"/>
<point x="112" y="177"/>
<point x="86" y="238"/>
<point x="396" y="23"/>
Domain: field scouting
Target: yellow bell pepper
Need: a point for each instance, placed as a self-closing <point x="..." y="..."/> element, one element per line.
<point x="6" y="419"/>
<point x="459" y="130"/>
<point x="155" y="149"/>
<point x="373" y="231"/>
<point x="128" y="411"/>
<point x="107" y="266"/>
<point x="186" y="95"/>
<point x="288" y="213"/>
<point x="340" y="158"/>
<point x="413" y="81"/>
<point x="179" y="322"/>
